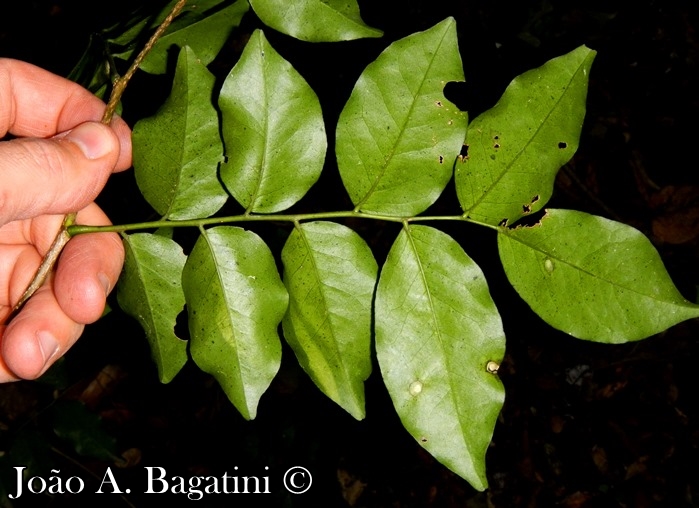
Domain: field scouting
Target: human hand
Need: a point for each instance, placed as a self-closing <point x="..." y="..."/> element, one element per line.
<point x="58" y="163"/>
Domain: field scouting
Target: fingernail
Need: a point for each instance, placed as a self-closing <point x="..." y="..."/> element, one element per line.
<point x="104" y="281"/>
<point x="48" y="345"/>
<point x="90" y="138"/>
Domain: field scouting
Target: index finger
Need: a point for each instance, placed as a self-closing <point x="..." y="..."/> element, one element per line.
<point x="38" y="103"/>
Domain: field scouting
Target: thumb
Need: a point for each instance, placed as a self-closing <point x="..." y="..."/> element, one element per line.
<point x="59" y="175"/>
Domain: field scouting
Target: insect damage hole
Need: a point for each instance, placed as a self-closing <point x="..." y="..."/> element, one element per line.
<point x="562" y="145"/>
<point x="441" y="159"/>
<point x="463" y="154"/>
<point x="438" y="104"/>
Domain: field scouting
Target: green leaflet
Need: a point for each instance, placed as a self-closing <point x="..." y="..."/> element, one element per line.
<point x="516" y="148"/>
<point x="330" y="274"/>
<point x="235" y="301"/>
<point x="150" y="290"/>
<point x="398" y="137"/>
<point x="315" y="20"/>
<point x="176" y="152"/>
<point x="92" y="70"/>
<point x="200" y="26"/>
<point x="272" y="129"/>
<point x="437" y="332"/>
<point x="593" y="278"/>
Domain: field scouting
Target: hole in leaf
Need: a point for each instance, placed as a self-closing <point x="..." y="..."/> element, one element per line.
<point x="463" y="155"/>
<point x="535" y="199"/>
<point x="562" y="145"/>
<point x="459" y="93"/>
<point x="496" y="137"/>
<point x="526" y="208"/>
<point x="441" y="159"/>
<point x="503" y="222"/>
<point x="423" y="439"/>
<point x="182" y="325"/>
<point x="438" y="104"/>
<point x="529" y="221"/>
<point x="496" y="145"/>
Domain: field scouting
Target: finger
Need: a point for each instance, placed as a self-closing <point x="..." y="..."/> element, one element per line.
<point x="18" y="263"/>
<point x="6" y="374"/>
<point x="22" y="244"/>
<point x="37" y="103"/>
<point x="37" y="336"/>
<point x="88" y="270"/>
<point x="55" y="176"/>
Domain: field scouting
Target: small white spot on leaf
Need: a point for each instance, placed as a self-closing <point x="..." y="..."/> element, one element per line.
<point x="415" y="388"/>
<point x="548" y="264"/>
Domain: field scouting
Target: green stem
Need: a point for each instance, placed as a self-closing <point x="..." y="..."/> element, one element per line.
<point x="232" y="219"/>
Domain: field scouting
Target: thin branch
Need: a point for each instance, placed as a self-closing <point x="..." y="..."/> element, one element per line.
<point x="121" y="83"/>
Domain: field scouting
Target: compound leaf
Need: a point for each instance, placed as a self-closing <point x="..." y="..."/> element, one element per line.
<point x="516" y="148"/>
<point x="315" y="20"/>
<point x="591" y="277"/>
<point x="398" y="136"/>
<point x="235" y="301"/>
<point x="150" y="290"/>
<point x="439" y="340"/>
<point x="177" y="151"/>
<point x="272" y="128"/>
<point x="202" y="25"/>
<point x="330" y="274"/>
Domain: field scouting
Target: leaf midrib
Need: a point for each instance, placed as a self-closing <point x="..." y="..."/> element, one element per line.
<point x="436" y="323"/>
<point x="506" y="170"/>
<point x="363" y="28"/>
<point x="328" y="315"/>
<point x="399" y="138"/>
<point x="183" y="143"/>
<point x="593" y="275"/>
<point x="265" y="117"/>
<point x="224" y="295"/>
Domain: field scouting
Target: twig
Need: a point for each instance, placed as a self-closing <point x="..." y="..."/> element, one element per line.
<point x="63" y="236"/>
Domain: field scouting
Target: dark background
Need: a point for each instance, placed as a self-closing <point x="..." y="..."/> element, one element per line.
<point x="583" y="424"/>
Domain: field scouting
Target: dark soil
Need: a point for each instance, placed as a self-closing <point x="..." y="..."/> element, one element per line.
<point x="584" y="424"/>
